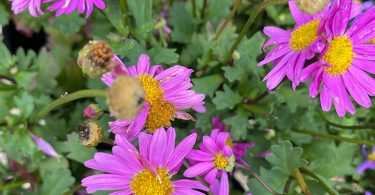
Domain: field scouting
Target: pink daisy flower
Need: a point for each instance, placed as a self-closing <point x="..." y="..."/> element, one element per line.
<point x="341" y="70"/>
<point x="167" y="94"/>
<point x="214" y="159"/>
<point x="239" y="149"/>
<point x="370" y="160"/>
<point x="147" y="171"/>
<point x="292" y="47"/>
<point x="32" y="5"/>
<point x="69" y="6"/>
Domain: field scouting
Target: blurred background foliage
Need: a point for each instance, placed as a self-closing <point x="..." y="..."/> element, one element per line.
<point x="38" y="65"/>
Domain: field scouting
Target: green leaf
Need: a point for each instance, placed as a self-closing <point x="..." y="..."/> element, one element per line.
<point x="274" y="178"/>
<point x="161" y="55"/>
<point x="256" y="188"/>
<point x="77" y="151"/>
<point x="226" y="99"/>
<point x="221" y="46"/>
<point x="286" y="158"/>
<point x="4" y="16"/>
<point x="17" y="144"/>
<point x="182" y="21"/>
<point x="56" y="182"/>
<point x="25" y="103"/>
<point x="207" y="85"/>
<point x="142" y="13"/>
<point x="249" y="50"/>
<point x="239" y="124"/>
<point x="6" y="58"/>
<point x="233" y="73"/>
<point x="116" y="17"/>
<point x="215" y="16"/>
<point x="69" y="24"/>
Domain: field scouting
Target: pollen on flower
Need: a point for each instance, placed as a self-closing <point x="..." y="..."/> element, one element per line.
<point x="160" y="112"/>
<point x="339" y="55"/>
<point x="304" y="35"/>
<point x="371" y="157"/>
<point x="220" y="161"/>
<point x="145" y="182"/>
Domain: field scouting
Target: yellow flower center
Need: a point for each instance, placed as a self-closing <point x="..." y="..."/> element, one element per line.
<point x="220" y="161"/>
<point x="304" y="35"/>
<point x="372" y="41"/>
<point x="371" y="157"/>
<point x="339" y="55"/>
<point x="161" y="112"/>
<point x="145" y="182"/>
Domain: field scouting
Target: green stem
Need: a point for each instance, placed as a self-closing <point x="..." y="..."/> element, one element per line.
<point x="108" y="141"/>
<point x="321" y="182"/>
<point x="258" y="111"/>
<point x="227" y="20"/>
<point x="335" y="137"/>
<point x="74" y="189"/>
<point x="194" y="6"/>
<point x="355" y="127"/>
<point x="287" y="184"/>
<point x="257" y="177"/>
<point x="205" y="2"/>
<point x="301" y="182"/>
<point x="69" y="98"/>
<point x="11" y="185"/>
<point x="125" y="10"/>
<point x="257" y="9"/>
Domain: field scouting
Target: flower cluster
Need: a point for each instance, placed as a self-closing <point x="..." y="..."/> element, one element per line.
<point x="59" y="6"/>
<point x="329" y="49"/>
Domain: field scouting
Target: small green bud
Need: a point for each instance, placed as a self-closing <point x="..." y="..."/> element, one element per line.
<point x="230" y="165"/>
<point x="236" y="55"/>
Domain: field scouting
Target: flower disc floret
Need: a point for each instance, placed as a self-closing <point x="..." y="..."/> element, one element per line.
<point x="339" y="55"/>
<point x="304" y="36"/>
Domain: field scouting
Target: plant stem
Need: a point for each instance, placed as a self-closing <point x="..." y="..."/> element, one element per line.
<point x="205" y="2"/>
<point x="260" y="97"/>
<point x="227" y="20"/>
<point x="108" y="141"/>
<point x="187" y="165"/>
<point x="69" y="98"/>
<point x="74" y="189"/>
<point x="125" y="10"/>
<point x="257" y="9"/>
<point x="287" y="184"/>
<point x="257" y="110"/>
<point x="355" y="127"/>
<point x="301" y="182"/>
<point x="194" y="6"/>
<point x="321" y="182"/>
<point x="257" y="177"/>
<point x="335" y="137"/>
<point x="11" y="185"/>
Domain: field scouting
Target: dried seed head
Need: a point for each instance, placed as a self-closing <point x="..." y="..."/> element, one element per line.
<point x="95" y="58"/>
<point x="90" y="134"/>
<point x="311" y="6"/>
<point x="126" y="97"/>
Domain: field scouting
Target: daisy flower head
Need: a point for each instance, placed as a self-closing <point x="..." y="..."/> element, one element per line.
<point x="370" y="160"/>
<point x="33" y="6"/>
<point x="292" y="47"/>
<point x="214" y="159"/>
<point x="69" y="6"/>
<point x="239" y="149"/>
<point x="148" y="170"/>
<point x="167" y="95"/>
<point x="345" y="62"/>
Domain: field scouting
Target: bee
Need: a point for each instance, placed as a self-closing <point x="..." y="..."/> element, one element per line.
<point x="126" y="97"/>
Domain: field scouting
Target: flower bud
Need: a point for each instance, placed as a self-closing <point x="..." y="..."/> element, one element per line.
<point x="92" y="111"/>
<point x="95" y="59"/>
<point x="311" y="6"/>
<point x="90" y="134"/>
<point x="236" y="55"/>
<point x="126" y="97"/>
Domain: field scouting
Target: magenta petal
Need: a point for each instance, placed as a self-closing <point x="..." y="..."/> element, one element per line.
<point x="186" y="183"/>
<point x="143" y="64"/>
<point x="144" y="140"/>
<point x="171" y="139"/>
<point x="211" y="176"/>
<point x="105" y="182"/>
<point x="122" y="192"/>
<point x="224" y="184"/>
<point x="158" y="147"/>
<point x="366" y="165"/>
<point x="199" y="155"/>
<point x="44" y="146"/>
<point x="209" y="145"/>
<point x="199" y="169"/>
<point x="181" y="150"/>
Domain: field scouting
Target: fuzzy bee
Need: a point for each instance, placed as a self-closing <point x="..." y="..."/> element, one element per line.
<point x="126" y="97"/>
<point x="311" y="6"/>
